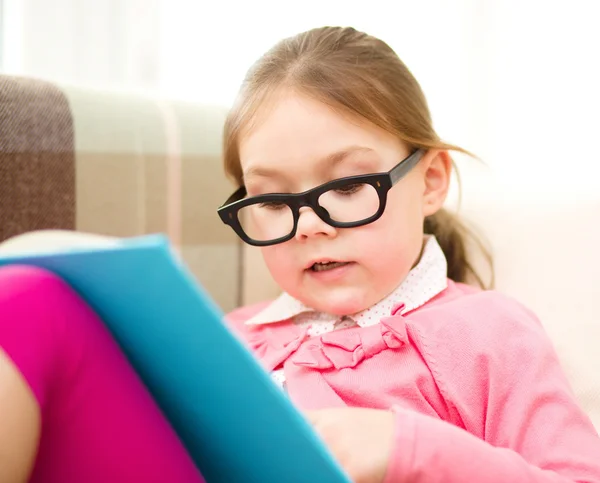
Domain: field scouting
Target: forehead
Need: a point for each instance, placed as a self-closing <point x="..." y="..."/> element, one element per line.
<point x="295" y="132"/>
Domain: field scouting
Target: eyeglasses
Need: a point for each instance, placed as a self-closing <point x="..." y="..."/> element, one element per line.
<point x="342" y="203"/>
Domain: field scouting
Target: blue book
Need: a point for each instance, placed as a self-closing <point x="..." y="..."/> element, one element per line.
<point x="237" y="425"/>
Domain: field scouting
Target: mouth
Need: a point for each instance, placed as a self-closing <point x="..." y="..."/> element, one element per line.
<point x="326" y="265"/>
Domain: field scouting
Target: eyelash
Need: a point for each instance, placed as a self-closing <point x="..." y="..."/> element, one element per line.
<point x="350" y="189"/>
<point x="344" y="191"/>
<point x="273" y="205"/>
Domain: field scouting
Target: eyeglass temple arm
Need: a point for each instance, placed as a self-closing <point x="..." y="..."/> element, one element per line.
<point x="238" y="195"/>
<point x="398" y="172"/>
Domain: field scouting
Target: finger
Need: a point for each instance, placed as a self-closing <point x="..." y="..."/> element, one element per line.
<point x="312" y="416"/>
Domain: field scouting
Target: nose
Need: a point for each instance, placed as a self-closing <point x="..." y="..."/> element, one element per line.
<point x="310" y="225"/>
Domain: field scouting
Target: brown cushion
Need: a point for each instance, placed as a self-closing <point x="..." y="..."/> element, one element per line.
<point x="37" y="158"/>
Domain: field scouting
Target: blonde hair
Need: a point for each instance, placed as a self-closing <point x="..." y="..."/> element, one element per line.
<point x="359" y="74"/>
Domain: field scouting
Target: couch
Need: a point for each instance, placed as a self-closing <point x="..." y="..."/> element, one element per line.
<point x="117" y="164"/>
<point x="124" y="164"/>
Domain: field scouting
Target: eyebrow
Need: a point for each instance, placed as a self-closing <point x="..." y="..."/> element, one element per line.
<point x="328" y="162"/>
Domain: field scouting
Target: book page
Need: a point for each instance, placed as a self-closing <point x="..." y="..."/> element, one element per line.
<point x="54" y="240"/>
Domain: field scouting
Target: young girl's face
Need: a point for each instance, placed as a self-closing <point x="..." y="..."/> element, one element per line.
<point x="298" y="143"/>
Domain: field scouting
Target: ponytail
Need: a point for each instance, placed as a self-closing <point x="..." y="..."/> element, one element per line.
<point x="455" y="239"/>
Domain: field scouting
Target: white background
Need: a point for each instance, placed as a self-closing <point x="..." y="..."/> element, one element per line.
<point x="515" y="81"/>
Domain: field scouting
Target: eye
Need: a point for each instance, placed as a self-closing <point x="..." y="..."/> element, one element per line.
<point x="350" y="189"/>
<point x="273" y="205"/>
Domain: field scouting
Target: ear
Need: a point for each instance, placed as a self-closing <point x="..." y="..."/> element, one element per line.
<point x="437" y="166"/>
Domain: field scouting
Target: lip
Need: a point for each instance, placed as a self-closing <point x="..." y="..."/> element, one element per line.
<point x="322" y="260"/>
<point x="332" y="275"/>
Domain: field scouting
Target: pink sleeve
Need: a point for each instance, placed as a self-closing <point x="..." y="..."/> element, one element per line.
<point x="504" y="383"/>
<point x="428" y="449"/>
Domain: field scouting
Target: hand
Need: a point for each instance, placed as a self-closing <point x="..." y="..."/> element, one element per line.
<point x="360" y="440"/>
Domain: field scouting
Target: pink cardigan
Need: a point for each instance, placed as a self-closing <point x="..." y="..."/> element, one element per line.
<point x="476" y="385"/>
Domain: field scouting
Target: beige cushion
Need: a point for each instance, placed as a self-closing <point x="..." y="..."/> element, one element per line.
<point x="151" y="165"/>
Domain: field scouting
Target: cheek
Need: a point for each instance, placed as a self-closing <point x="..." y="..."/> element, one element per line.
<point x="403" y="216"/>
<point x="391" y="245"/>
<point x="404" y="213"/>
<point x="279" y="260"/>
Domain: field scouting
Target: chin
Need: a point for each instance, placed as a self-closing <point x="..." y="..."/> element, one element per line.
<point x="340" y="302"/>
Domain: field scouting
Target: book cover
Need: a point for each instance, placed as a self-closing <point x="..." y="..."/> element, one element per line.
<point x="237" y="425"/>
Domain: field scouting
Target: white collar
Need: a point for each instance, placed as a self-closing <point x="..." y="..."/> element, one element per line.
<point x="426" y="280"/>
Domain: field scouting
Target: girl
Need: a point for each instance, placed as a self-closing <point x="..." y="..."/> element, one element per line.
<point x="407" y="372"/>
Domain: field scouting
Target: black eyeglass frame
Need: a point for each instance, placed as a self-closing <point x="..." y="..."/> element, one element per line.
<point x="382" y="182"/>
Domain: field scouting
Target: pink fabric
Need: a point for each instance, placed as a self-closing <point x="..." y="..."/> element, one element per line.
<point x="99" y="424"/>
<point x="475" y="382"/>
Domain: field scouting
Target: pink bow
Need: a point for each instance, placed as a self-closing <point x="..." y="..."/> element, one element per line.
<point x="349" y="347"/>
